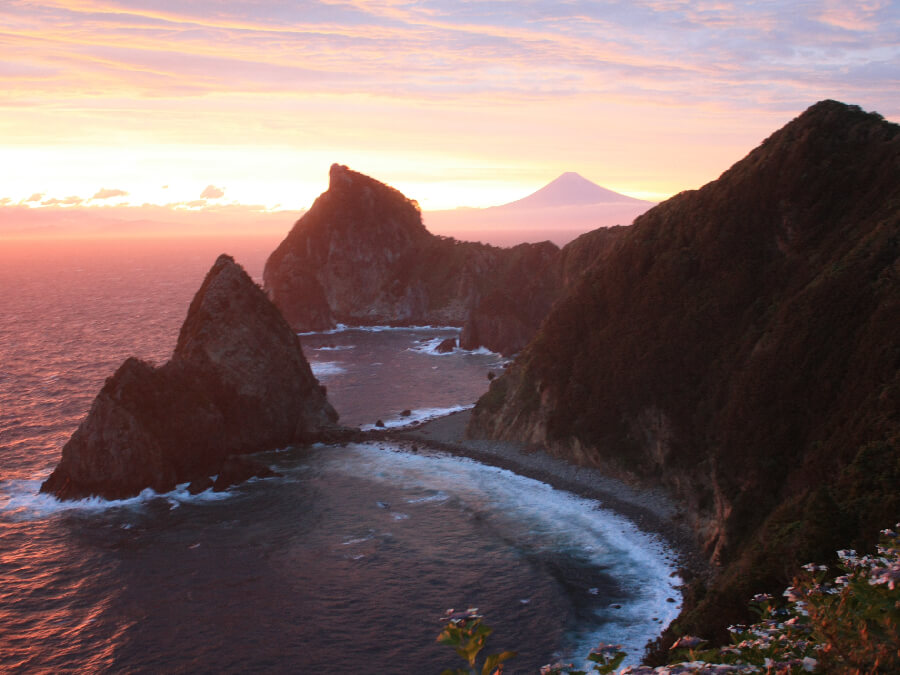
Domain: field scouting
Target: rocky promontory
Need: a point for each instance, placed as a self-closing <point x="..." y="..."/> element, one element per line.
<point x="739" y="347"/>
<point x="361" y="256"/>
<point x="237" y="383"/>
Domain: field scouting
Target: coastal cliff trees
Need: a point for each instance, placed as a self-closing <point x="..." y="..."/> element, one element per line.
<point x="740" y="345"/>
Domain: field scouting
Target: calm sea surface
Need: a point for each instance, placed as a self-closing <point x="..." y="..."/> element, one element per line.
<point x="344" y="565"/>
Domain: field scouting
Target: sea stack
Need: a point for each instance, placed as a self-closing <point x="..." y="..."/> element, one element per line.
<point x="344" y="260"/>
<point x="237" y="383"/>
<point x="361" y="255"/>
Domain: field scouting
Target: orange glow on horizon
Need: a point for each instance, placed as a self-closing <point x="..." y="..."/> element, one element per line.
<point x="113" y="103"/>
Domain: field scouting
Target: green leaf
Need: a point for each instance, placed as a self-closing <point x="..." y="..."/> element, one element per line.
<point x="494" y="660"/>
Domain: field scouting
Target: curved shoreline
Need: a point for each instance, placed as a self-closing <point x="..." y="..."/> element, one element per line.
<point x="652" y="511"/>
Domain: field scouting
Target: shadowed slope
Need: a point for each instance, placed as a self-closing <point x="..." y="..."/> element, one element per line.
<point x="740" y="346"/>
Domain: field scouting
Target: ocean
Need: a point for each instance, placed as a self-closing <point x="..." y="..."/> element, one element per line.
<point x="345" y="564"/>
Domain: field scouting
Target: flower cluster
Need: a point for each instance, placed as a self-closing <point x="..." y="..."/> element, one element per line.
<point x="461" y="617"/>
<point x="850" y="623"/>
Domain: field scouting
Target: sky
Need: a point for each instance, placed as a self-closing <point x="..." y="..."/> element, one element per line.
<point x="241" y="107"/>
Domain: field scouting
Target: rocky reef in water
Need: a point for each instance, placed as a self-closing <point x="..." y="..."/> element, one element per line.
<point x="739" y="346"/>
<point x="361" y="256"/>
<point x="237" y="383"/>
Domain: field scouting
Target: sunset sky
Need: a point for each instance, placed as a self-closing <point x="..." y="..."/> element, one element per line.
<point x="243" y="105"/>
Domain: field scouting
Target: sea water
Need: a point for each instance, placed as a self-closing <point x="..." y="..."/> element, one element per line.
<point x="343" y="565"/>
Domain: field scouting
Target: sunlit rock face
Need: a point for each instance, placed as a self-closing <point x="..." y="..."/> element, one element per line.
<point x="237" y="383"/>
<point x="740" y="345"/>
<point x="361" y="255"/>
<point x="341" y="259"/>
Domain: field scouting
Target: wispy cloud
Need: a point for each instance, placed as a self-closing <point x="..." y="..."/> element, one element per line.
<point x="72" y="200"/>
<point x="105" y="193"/>
<point x="624" y="89"/>
<point x="20" y="221"/>
<point x="539" y="49"/>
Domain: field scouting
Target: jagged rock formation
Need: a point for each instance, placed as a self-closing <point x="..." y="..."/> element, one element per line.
<point x="740" y="345"/>
<point x="361" y="255"/>
<point x="237" y="383"/>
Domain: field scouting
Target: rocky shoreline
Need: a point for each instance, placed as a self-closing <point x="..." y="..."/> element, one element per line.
<point x="652" y="511"/>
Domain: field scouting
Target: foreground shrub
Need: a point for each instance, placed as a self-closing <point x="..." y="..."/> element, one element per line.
<point x="848" y="623"/>
<point x="465" y="632"/>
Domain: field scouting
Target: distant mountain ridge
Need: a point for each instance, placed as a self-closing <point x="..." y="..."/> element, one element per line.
<point x="740" y="347"/>
<point x="567" y="207"/>
<point x="572" y="189"/>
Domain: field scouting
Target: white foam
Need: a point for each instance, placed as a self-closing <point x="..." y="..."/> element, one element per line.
<point x="431" y="347"/>
<point x="437" y="497"/>
<point x="344" y="328"/>
<point x="21" y="500"/>
<point x="358" y="540"/>
<point x="484" y="351"/>
<point x="549" y="519"/>
<point x="326" y="368"/>
<point x="417" y="417"/>
<point x="337" y="329"/>
<point x="334" y="348"/>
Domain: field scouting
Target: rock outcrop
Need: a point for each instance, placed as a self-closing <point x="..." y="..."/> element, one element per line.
<point x="740" y="346"/>
<point x="237" y="383"/>
<point x="361" y="256"/>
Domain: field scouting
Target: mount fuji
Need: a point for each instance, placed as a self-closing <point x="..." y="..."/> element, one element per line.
<point x="560" y="211"/>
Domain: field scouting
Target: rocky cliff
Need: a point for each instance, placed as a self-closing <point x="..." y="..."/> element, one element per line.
<point x="237" y="383"/>
<point x="361" y="255"/>
<point x="740" y="346"/>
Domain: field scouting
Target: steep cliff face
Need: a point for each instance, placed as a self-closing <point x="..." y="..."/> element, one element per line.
<point x="525" y="283"/>
<point x="237" y="383"/>
<point x="740" y="345"/>
<point x="337" y="262"/>
<point x="361" y="255"/>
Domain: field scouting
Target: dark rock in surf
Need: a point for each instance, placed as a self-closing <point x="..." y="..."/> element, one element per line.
<point x="199" y="485"/>
<point x="238" y="469"/>
<point x="237" y="383"/>
<point x="446" y="346"/>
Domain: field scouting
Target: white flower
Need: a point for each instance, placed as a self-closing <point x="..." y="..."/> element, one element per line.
<point x="792" y="594"/>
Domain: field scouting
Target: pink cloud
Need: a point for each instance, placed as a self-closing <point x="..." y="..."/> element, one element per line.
<point x="36" y="197"/>
<point x="212" y="192"/>
<point x="66" y="201"/>
<point x="20" y="221"/>
<point x="104" y="193"/>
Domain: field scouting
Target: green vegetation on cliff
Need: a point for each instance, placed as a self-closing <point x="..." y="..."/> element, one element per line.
<point x="740" y="346"/>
